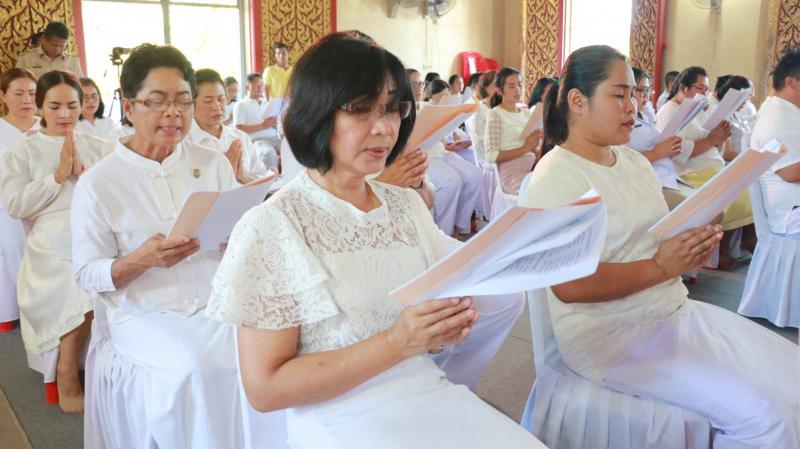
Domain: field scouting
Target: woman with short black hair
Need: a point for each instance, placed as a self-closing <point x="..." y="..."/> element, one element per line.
<point x="539" y="92"/>
<point x="306" y="276"/>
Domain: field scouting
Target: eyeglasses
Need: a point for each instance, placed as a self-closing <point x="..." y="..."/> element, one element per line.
<point x="418" y="83"/>
<point x="397" y="111"/>
<point x="701" y="87"/>
<point x="94" y="97"/>
<point x="643" y="90"/>
<point x="159" y="105"/>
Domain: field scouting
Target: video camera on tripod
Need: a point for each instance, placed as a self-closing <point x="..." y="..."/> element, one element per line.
<point x="116" y="55"/>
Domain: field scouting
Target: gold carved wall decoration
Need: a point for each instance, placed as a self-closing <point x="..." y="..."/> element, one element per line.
<point x="541" y="19"/>
<point x="297" y="23"/>
<point x="644" y="29"/>
<point x="21" y="18"/>
<point x="783" y="29"/>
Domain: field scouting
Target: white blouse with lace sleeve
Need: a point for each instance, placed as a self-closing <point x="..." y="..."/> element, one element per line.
<point x="503" y="131"/>
<point x="307" y="259"/>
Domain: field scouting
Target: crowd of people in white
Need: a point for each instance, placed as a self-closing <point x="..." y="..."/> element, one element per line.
<point x="287" y="336"/>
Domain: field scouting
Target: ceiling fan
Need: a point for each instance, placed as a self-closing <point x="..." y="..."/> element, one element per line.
<point x="433" y="8"/>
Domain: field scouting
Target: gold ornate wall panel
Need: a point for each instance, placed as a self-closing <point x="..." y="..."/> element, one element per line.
<point x="541" y="19"/>
<point x="21" y="18"/>
<point x="783" y="29"/>
<point x="297" y="23"/>
<point x="644" y="28"/>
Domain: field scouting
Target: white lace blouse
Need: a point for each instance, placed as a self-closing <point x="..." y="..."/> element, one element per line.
<point x="503" y="131"/>
<point x="306" y="258"/>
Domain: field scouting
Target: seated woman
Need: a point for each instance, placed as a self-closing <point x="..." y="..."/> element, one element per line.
<point x="630" y="325"/>
<point x="209" y="131"/>
<point x="231" y="89"/>
<point x="18" y="91"/>
<point x="471" y="89"/>
<point x="455" y="84"/>
<point x="701" y="157"/>
<point x="540" y="90"/>
<point x="515" y="155"/>
<point x="457" y="182"/>
<point x="37" y="179"/>
<point x="486" y="90"/>
<point x="643" y="140"/>
<point x="306" y="277"/>
<point x="740" y="127"/>
<point x="160" y="374"/>
<point x="92" y="121"/>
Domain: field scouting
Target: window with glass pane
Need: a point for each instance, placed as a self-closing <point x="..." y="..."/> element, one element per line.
<point x="592" y="22"/>
<point x="209" y="32"/>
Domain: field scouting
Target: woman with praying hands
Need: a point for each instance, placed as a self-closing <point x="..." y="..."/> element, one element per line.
<point x="307" y="276"/>
<point x="37" y="179"/>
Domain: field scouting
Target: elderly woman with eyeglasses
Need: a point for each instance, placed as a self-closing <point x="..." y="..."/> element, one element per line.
<point x="307" y="276"/>
<point x="159" y="373"/>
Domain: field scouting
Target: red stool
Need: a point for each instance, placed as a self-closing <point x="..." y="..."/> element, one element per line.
<point x="8" y="326"/>
<point x="51" y="393"/>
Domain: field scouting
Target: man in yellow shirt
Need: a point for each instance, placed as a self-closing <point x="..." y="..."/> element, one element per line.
<point x="277" y="75"/>
<point x="50" y="54"/>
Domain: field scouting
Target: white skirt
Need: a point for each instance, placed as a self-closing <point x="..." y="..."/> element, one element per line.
<point x="12" y="243"/>
<point x="411" y="405"/>
<point x="741" y="377"/>
<point x="162" y="381"/>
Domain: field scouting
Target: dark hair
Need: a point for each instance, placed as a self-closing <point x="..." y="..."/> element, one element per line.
<point x="487" y="79"/>
<point x="252" y="76"/>
<point x="452" y="80"/>
<point x="639" y="74"/>
<point x="430" y="76"/>
<point x="336" y="70"/>
<point x="721" y="80"/>
<point x="88" y="82"/>
<point x="12" y="74"/>
<point x="33" y="41"/>
<point x="56" y="29"/>
<point x="147" y="57"/>
<point x="206" y="76"/>
<point x="733" y="82"/>
<point x="584" y="70"/>
<point x="52" y="79"/>
<point x="788" y="65"/>
<point x="499" y="81"/>
<point x="686" y="78"/>
<point x="538" y="90"/>
<point x="438" y="86"/>
<point x="410" y="72"/>
<point x="229" y="80"/>
<point x="473" y="79"/>
<point x="669" y="78"/>
<point x="279" y="45"/>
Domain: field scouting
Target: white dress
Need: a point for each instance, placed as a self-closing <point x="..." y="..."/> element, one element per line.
<point x="51" y="303"/>
<point x="159" y="373"/>
<point x="306" y="258"/>
<point x="103" y="127"/>
<point x="502" y="133"/>
<point x="685" y="162"/>
<point x="656" y="342"/>
<point x="12" y="238"/>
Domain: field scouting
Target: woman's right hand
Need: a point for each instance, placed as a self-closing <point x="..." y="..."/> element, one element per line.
<point x="668" y="148"/>
<point x="408" y="170"/>
<point x="66" y="159"/>
<point x="158" y="252"/>
<point x="424" y="327"/>
<point x="720" y="133"/>
<point x="687" y="251"/>
<point x="532" y="141"/>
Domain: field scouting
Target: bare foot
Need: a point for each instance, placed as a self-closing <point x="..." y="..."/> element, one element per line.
<point x="70" y="404"/>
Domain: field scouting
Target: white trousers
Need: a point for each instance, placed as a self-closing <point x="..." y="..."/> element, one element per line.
<point x="738" y="375"/>
<point x="465" y="363"/>
<point x="458" y="185"/>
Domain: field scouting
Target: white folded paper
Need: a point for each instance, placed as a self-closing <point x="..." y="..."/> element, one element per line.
<point x="536" y="121"/>
<point x="211" y="216"/>
<point x="435" y="122"/>
<point x="718" y="192"/>
<point x="274" y="107"/>
<point x="523" y="249"/>
<point x="732" y="101"/>
<point x="687" y="111"/>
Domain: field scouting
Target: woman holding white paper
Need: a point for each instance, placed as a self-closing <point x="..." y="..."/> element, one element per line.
<point x="18" y="91"/>
<point x="159" y="373"/>
<point x="457" y="182"/>
<point x="37" y="179"/>
<point x="504" y="144"/>
<point x="209" y="131"/>
<point x="306" y="277"/>
<point x="701" y="156"/>
<point x="630" y="326"/>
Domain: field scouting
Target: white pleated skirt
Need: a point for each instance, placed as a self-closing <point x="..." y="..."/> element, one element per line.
<point x="12" y="243"/>
<point x="162" y="381"/>
<point x="411" y="405"/>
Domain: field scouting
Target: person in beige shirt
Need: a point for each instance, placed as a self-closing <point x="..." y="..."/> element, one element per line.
<point x="50" y="55"/>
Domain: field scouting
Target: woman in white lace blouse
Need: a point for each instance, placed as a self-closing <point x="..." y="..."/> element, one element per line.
<point x="306" y="276"/>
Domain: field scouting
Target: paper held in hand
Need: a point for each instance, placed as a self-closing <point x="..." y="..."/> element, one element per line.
<point x="536" y="121"/>
<point x="523" y="249"/>
<point x="720" y="191"/>
<point x="274" y="107"/>
<point x="211" y="216"/>
<point x="434" y="122"/>
<point x="730" y="103"/>
<point x="687" y="111"/>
